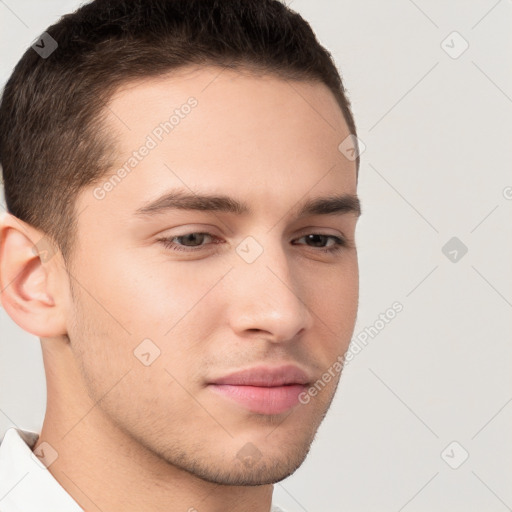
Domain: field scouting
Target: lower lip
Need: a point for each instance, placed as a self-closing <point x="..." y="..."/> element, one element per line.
<point x="263" y="400"/>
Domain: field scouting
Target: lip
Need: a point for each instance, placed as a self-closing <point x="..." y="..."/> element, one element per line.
<point x="265" y="376"/>
<point x="263" y="389"/>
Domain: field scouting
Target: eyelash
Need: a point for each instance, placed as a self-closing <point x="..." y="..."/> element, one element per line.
<point x="340" y="243"/>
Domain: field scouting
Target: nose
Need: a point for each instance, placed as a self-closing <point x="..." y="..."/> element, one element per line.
<point x="267" y="298"/>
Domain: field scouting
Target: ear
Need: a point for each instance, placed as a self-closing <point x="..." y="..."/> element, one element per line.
<point x="31" y="279"/>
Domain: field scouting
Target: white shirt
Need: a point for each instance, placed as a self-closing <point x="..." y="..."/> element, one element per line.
<point x="26" y="485"/>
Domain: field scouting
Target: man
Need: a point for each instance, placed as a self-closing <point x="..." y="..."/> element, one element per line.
<point x="181" y="182"/>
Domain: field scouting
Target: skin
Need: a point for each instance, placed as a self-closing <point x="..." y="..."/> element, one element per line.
<point x="134" y="437"/>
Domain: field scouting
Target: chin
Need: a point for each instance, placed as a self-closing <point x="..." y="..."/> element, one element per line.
<point x="258" y="473"/>
<point x="249" y="466"/>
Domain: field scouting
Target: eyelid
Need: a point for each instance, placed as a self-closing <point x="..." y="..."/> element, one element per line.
<point x="340" y="242"/>
<point x="213" y="230"/>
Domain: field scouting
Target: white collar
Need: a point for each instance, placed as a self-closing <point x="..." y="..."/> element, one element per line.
<point x="26" y="485"/>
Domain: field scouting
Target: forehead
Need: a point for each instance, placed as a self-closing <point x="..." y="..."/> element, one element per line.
<point x="231" y="107"/>
<point x="224" y="87"/>
<point x="215" y="130"/>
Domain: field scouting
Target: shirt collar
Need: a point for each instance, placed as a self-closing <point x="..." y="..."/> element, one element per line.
<point x="26" y="485"/>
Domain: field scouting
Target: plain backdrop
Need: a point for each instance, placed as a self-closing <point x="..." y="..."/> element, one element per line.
<point x="423" y="415"/>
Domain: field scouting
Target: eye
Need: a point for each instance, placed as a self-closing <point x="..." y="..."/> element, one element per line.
<point x="191" y="242"/>
<point x="193" y="238"/>
<point x="318" y="238"/>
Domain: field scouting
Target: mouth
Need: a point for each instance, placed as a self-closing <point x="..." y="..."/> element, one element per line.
<point x="263" y="389"/>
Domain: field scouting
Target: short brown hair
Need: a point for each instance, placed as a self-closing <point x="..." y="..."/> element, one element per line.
<point x="51" y="138"/>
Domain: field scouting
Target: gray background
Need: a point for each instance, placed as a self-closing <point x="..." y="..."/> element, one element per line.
<point x="436" y="124"/>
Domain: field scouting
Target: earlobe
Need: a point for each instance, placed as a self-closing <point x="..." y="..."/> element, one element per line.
<point x="27" y="293"/>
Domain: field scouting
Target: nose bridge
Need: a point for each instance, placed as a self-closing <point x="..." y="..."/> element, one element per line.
<point x="267" y="295"/>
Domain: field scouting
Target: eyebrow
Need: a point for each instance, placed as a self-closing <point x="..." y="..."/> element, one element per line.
<point x="181" y="200"/>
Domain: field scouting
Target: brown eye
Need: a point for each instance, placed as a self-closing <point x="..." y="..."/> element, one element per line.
<point x="188" y="242"/>
<point x="317" y="239"/>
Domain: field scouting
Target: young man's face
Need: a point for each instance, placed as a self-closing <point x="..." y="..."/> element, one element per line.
<point x="256" y="291"/>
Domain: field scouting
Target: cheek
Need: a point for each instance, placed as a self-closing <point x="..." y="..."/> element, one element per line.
<point x="119" y="382"/>
<point x="100" y="343"/>
<point x="334" y="296"/>
<point x="163" y="320"/>
<point x="151" y="295"/>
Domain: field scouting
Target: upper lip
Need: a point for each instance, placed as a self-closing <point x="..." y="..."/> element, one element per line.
<point x="265" y="376"/>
